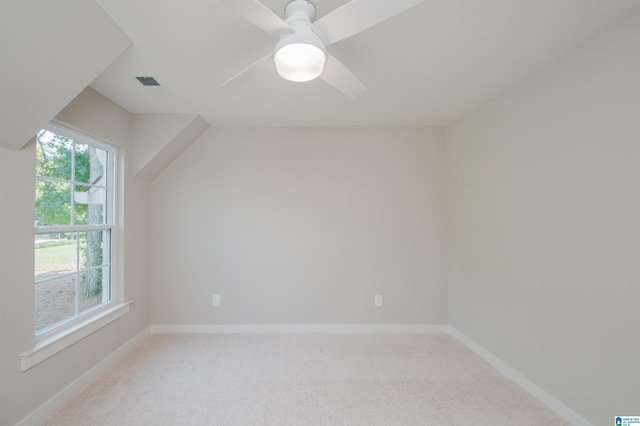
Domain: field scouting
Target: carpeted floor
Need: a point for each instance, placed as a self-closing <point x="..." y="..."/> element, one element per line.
<point x="303" y="379"/>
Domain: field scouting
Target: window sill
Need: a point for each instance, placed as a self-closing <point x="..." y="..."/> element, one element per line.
<point x="49" y="347"/>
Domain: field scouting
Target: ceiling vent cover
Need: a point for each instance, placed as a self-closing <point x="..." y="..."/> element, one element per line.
<point x="147" y="81"/>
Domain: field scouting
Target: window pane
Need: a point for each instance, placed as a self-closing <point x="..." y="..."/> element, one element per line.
<point x="80" y="208"/>
<point x="55" y="301"/>
<point x="53" y="155"/>
<point x="89" y="298"/>
<point x="82" y="163"/>
<point x="53" y="203"/>
<point x="55" y="254"/>
<point x="92" y="254"/>
<point x="90" y="164"/>
<point x="90" y="205"/>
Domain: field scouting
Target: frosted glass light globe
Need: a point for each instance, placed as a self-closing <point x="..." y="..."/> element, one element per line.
<point x="299" y="62"/>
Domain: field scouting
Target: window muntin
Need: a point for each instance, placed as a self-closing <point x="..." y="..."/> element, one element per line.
<point x="74" y="228"/>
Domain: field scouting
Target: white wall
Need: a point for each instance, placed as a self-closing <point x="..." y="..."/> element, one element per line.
<point x="303" y="225"/>
<point x="22" y="392"/>
<point x="544" y="230"/>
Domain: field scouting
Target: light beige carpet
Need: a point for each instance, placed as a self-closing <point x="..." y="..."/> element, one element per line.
<point x="303" y="379"/>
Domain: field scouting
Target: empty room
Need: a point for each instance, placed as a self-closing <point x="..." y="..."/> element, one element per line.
<point x="328" y="212"/>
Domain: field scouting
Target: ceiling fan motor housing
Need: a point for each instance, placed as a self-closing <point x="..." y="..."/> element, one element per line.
<point x="299" y="9"/>
<point x="299" y="15"/>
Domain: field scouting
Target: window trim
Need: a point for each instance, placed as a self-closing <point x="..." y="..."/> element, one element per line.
<point x="57" y="338"/>
<point x="48" y="347"/>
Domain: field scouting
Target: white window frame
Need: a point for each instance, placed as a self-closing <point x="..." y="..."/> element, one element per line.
<point x="52" y="340"/>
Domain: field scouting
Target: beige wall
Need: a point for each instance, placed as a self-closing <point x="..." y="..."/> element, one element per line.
<point x="22" y="392"/>
<point x="305" y="225"/>
<point x="544" y="226"/>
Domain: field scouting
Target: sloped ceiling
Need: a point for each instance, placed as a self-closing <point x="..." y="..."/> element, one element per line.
<point x="50" y="51"/>
<point x="427" y="66"/>
<point x="160" y="139"/>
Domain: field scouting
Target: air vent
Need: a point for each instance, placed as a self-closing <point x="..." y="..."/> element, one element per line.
<point x="148" y="81"/>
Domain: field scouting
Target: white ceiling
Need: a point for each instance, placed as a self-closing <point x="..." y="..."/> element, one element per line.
<point x="427" y="66"/>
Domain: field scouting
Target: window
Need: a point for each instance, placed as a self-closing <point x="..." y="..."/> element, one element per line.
<point x="74" y="225"/>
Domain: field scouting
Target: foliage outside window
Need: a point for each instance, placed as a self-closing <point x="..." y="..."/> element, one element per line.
<point x="74" y="222"/>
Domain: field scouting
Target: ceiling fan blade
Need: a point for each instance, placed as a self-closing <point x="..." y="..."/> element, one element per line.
<point x="339" y="76"/>
<point x="263" y="66"/>
<point x="260" y="16"/>
<point x="356" y="16"/>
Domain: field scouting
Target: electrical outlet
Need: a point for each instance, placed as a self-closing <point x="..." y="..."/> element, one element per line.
<point x="378" y="300"/>
<point x="216" y="300"/>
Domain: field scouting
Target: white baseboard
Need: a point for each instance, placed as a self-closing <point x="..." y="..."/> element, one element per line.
<point x="40" y="414"/>
<point x="545" y="397"/>
<point x="299" y="328"/>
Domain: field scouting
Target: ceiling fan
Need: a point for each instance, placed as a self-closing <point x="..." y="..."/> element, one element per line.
<point x="300" y="53"/>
